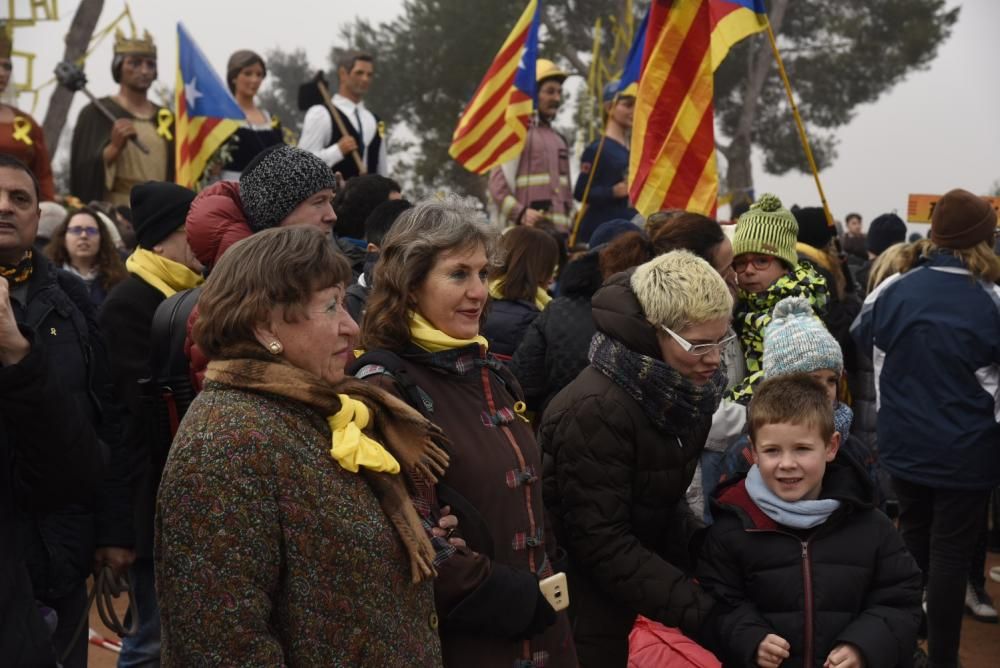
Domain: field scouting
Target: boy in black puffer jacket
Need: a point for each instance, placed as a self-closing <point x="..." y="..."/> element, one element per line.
<point x="805" y="570"/>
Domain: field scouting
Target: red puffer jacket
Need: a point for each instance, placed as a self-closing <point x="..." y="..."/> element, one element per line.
<point x="214" y="223"/>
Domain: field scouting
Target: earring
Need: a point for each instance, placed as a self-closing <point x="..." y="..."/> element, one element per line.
<point x="275" y="347"/>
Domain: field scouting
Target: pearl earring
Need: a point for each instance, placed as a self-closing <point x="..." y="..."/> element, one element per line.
<point x="275" y="347"/>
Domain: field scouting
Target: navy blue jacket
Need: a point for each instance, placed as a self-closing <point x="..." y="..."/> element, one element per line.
<point x="506" y="324"/>
<point x="933" y="335"/>
<point x="602" y="205"/>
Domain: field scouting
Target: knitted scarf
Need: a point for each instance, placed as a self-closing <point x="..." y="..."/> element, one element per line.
<point x="20" y="271"/>
<point x="753" y="315"/>
<point x="395" y="433"/>
<point x="668" y="399"/>
<point x="165" y="275"/>
<point x="801" y="514"/>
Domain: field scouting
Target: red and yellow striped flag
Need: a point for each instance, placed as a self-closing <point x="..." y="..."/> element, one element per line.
<point x="672" y="160"/>
<point x="495" y="123"/>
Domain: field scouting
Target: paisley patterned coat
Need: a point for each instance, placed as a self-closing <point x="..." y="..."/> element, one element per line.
<point x="269" y="553"/>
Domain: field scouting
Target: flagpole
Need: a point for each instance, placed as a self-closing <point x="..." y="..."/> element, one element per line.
<point x="798" y="123"/>
<point x="590" y="180"/>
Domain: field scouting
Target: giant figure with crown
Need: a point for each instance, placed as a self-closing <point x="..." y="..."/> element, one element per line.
<point x="105" y="162"/>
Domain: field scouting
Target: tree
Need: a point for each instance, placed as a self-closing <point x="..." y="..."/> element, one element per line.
<point x="838" y="55"/>
<point x="77" y="41"/>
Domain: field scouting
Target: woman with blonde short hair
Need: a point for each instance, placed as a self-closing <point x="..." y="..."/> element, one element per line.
<point x="624" y="439"/>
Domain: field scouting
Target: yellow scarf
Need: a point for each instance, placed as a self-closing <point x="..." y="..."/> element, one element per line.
<point x="165" y="275"/>
<point x="423" y="333"/>
<point x="351" y="448"/>
<point x="542" y="298"/>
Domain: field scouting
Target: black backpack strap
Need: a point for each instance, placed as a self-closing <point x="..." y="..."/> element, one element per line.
<point x="168" y="333"/>
<point x="388" y="363"/>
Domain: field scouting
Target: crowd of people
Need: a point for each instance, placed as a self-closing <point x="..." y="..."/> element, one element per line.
<point x="312" y="423"/>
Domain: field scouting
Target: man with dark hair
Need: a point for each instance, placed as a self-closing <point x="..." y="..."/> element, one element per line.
<point x="853" y="240"/>
<point x="353" y="204"/>
<point x="104" y="164"/>
<point x="322" y="135"/>
<point x="60" y="516"/>
<point x="377" y="225"/>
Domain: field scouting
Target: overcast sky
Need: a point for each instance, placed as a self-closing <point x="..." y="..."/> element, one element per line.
<point x="938" y="129"/>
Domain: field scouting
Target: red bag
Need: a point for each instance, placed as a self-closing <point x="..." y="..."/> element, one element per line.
<point x="653" y="645"/>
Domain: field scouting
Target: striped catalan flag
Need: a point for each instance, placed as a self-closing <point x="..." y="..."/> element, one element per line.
<point x="672" y="160"/>
<point x="206" y="112"/>
<point x="495" y="123"/>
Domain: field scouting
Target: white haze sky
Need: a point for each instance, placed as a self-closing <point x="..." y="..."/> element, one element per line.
<point x="938" y="129"/>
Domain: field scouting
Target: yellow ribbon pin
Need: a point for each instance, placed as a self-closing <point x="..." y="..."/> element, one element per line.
<point x="163" y="121"/>
<point x="381" y="129"/>
<point x="22" y="130"/>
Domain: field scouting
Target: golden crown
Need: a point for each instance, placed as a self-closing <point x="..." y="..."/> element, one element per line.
<point x="144" y="46"/>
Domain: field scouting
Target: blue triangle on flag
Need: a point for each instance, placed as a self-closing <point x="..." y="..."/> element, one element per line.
<point x="205" y="93"/>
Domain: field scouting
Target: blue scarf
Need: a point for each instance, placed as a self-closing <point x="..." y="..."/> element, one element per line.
<point x="802" y="514"/>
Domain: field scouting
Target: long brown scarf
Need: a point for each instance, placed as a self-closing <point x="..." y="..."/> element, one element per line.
<point x="412" y="439"/>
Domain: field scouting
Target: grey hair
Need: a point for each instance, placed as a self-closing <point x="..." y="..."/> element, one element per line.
<point x="441" y="224"/>
<point x="408" y="253"/>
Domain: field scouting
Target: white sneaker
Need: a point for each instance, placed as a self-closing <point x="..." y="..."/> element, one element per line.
<point x="979" y="605"/>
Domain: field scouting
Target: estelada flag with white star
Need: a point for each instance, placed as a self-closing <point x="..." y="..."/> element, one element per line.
<point x="494" y="125"/>
<point x="206" y="112"/>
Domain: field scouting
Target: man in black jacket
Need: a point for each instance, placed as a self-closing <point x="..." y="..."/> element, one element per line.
<point x="162" y="265"/>
<point x="51" y="414"/>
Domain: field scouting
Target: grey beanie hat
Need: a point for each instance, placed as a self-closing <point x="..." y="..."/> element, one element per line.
<point x="278" y="180"/>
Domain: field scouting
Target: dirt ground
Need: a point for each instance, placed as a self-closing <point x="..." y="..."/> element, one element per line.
<point x="980" y="641"/>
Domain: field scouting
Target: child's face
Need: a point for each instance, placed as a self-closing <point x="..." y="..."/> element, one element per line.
<point x="830" y="380"/>
<point x="792" y="459"/>
<point x="756" y="272"/>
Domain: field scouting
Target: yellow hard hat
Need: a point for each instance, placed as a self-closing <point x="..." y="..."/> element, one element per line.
<point x="546" y="69"/>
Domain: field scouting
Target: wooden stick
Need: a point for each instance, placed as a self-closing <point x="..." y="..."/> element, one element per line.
<point x="799" y="125"/>
<point x="325" y="92"/>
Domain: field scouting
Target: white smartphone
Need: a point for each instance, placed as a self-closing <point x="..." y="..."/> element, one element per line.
<point x="556" y="591"/>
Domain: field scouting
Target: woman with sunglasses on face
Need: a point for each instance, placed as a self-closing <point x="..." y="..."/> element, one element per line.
<point x="20" y="135"/>
<point x="768" y="269"/>
<point x="622" y="442"/>
<point x="82" y="245"/>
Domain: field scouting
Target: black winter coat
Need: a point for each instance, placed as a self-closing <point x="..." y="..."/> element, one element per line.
<point x="506" y="324"/>
<point x="126" y="318"/>
<point x="614" y="485"/>
<point x="554" y="349"/>
<point x="61" y="544"/>
<point x="859" y="584"/>
<point x="51" y="458"/>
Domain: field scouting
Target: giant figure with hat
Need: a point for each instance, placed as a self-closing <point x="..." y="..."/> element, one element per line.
<point x="104" y="164"/>
<point x="535" y="187"/>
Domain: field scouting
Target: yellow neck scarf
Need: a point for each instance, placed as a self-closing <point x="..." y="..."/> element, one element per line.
<point x="423" y="333"/>
<point x="351" y="448"/>
<point x="542" y="298"/>
<point x="165" y="275"/>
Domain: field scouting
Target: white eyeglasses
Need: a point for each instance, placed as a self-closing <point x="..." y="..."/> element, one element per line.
<point x="700" y="349"/>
